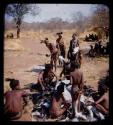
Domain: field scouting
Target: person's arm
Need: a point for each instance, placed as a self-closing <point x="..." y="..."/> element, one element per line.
<point x="82" y="82"/>
<point x="40" y="80"/>
<point x="71" y="79"/>
<point x="55" y="76"/>
<point x="57" y="46"/>
<point x="100" y="100"/>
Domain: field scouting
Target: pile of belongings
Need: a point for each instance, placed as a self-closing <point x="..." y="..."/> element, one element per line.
<point x="41" y="101"/>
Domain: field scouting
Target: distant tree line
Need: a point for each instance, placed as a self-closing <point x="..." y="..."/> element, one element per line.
<point x="98" y="18"/>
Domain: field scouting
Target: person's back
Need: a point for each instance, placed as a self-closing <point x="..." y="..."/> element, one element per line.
<point x="52" y="48"/>
<point x="106" y="100"/>
<point x="77" y="77"/>
<point x="14" y="102"/>
<point x="56" y="104"/>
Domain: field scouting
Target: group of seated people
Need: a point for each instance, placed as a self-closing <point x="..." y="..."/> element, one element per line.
<point x="14" y="99"/>
<point x="91" y="37"/>
<point x="99" y="49"/>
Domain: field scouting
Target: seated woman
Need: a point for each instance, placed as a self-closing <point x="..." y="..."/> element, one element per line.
<point x="57" y="100"/>
<point x="46" y="77"/>
<point x="14" y="100"/>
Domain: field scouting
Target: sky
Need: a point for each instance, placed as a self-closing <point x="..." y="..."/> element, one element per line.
<point x="64" y="11"/>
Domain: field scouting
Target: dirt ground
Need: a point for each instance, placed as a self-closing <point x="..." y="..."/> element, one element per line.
<point x="17" y="63"/>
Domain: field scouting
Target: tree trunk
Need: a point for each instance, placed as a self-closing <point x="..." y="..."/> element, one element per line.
<point x="18" y="31"/>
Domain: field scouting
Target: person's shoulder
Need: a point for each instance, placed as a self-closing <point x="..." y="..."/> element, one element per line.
<point x="7" y="92"/>
<point x="79" y="71"/>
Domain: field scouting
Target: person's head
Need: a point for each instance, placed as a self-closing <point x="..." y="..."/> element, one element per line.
<point x="74" y="65"/>
<point x="14" y="84"/>
<point x="74" y="35"/>
<point x="48" y="67"/>
<point x="59" y="34"/>
<point x="46" y="41"/>
<point x="102" y="88"/>
<point x="60" y="90"/>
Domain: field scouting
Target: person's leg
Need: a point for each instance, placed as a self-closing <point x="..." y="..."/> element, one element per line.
<point x="78" y="106"/>
<point x="51" y="62"/>
<point x="74" y="99"/>
<point x="55" y="61"/>
<point x="60" y="112"/>
<point x="101" y="108"/>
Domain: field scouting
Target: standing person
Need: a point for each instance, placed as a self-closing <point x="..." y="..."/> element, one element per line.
<point x="77" y="81"/>
<point x="14" y="100"/>
<point x="60" y="45"/>
<point x="73" y="44"/>
<point x="92" y="51"/>
<point x="53" y="50"/>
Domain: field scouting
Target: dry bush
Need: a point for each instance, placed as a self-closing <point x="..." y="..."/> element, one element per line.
<point x="13" y="45"/>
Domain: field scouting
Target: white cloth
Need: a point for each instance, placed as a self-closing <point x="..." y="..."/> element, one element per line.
<point x="61" y="59"/>
<point x="67" y="95"/>
<point x="76" y="49"/>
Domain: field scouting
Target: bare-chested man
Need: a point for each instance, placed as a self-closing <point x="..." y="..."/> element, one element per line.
<point x="56" y="110"/>
<point x="53" y="50"/>
<point x="103" y="103"/>
<point x="14" y="100"/>
<point x="76" y="79"/>
<point x="46" y="77"/>
<point x="60" y="45"/>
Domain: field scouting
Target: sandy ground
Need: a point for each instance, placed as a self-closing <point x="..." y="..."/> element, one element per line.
<point x="18" y="63"/>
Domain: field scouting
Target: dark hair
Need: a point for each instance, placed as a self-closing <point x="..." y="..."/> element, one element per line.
<point x="13" y="82"/>
<point x="46" y="38"/>
<point x="103" y="85"/>
<point x="59" y="91"/>
<point x="48" y="67"/>
<point x="74" y="65"/>
<point x="91" y="46"/>
<point x="59" y="33"/>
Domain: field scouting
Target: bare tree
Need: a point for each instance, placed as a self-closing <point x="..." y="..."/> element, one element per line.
<point x="78" y="21"/>
<point x="100" y="15"/>
<point x="18" y="12"/>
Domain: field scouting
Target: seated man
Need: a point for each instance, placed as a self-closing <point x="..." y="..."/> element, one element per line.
<point x="46" y="77"/>
<point x="103" y="103"/>
<point x="55" y="109"/>
<point x="14" y="100"/>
